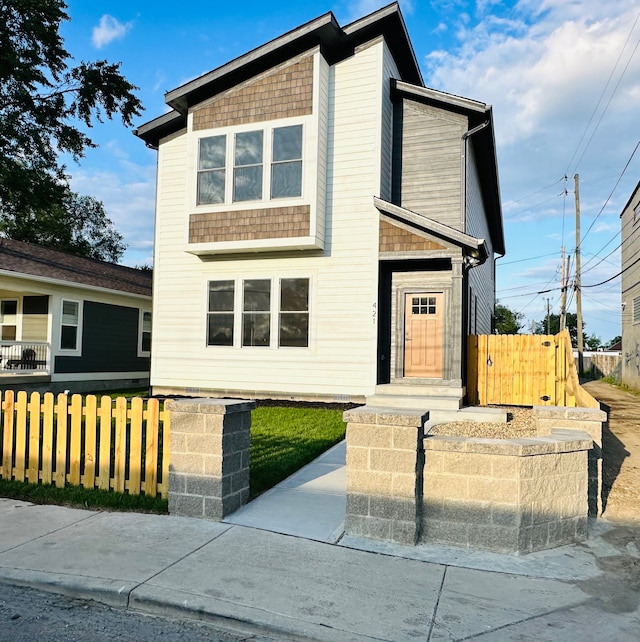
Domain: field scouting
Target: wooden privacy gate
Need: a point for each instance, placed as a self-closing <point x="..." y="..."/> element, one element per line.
<point x="524" y="370"/>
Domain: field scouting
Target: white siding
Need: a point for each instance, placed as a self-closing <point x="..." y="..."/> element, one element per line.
<point x="341" y="357"/>
<point x="481" y="278"/>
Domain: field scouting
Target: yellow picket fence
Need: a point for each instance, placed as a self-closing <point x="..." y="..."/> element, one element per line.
<point x="524" y="370"/>
<point x="120" y="445"/>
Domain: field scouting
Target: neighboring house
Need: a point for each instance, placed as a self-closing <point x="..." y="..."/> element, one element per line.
<point x="68" y="322"/>
<point x="630" y="221"/>
<point x="324" y="222"/>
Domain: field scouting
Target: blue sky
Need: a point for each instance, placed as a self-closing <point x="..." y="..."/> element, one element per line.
<point x="563" y="77"/>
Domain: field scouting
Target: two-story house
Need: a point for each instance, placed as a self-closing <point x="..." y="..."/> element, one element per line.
<point x="325" y="223"/>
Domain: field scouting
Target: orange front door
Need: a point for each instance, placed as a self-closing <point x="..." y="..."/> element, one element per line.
<point x="423" y="335"/>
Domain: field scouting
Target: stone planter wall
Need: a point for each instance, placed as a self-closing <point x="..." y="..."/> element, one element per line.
<point x="513" y="496"/>
<point x="508" y="496"/>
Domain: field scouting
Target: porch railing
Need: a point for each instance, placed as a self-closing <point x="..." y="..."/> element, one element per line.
<point x="31" y="356"/>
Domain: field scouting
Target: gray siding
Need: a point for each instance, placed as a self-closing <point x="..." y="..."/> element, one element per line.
<point x="109" y="341"/>
<point x="631" y="293"/>
<point x="427" y="162"/>
<point x="481" y="278"/>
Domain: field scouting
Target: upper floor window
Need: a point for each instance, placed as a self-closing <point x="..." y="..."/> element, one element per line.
<point x="211" y="169"/>
<point x="69" y="325"/>
<point x="247" y="167"/>
<point x="636" y="310"/>
<point x="286" y="163"/>
<point x="262" y="160"/>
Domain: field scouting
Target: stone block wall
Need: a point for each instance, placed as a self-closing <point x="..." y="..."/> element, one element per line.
<point x="507" y="496"/>
<point x="384" y="474"/>
<point x="209" y="465"/>
<point x="589" y="420"/>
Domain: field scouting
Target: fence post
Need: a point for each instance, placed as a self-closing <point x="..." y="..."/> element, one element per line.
<point x="209" y="456"/>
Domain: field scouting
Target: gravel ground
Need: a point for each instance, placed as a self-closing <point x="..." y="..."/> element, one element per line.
<point x="520" y="423"/>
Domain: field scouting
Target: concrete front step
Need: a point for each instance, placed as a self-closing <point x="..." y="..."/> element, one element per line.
<point x="421" y="403"/>
<point x="418" y="390"/>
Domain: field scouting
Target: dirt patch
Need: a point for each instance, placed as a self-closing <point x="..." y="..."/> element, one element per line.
<point x="620" y="452"/>
<point x="520" y="424"/>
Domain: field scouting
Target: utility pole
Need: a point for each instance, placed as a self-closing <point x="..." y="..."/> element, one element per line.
<point x="578" y="282"/>
<point x="563" y="295"/>
<point x="548" y="316"/>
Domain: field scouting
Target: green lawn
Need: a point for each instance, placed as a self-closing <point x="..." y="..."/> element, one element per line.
<point x="283" y="439"/>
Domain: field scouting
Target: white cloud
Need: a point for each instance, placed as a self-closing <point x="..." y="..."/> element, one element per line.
<point x="108" y="30"/>
<point x="128" y="194"/>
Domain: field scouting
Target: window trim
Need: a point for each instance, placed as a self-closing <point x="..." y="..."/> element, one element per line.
<point x="141" y="332"/>
<point x="267" y="129"/>
<point x="78" y="347"/>
<point x="274" y="312"/>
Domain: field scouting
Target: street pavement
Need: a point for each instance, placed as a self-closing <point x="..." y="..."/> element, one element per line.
<point x="290" y="574"/>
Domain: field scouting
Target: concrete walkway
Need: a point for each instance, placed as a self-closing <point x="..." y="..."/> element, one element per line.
<point x="302" y="585"/>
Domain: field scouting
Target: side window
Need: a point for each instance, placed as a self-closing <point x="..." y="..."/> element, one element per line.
<point x="247" y="169"/>
<point x="294" y="313"/>
<point x="8" y="319"/>
<point x="69" y="326"/>
<point x="211" y="169"/>
<point x="144" y="344"/>
<point x="220" y="313"/>
<point x="286" y="165"/>
<point x="256" y="312"/>
<point x="636" y="310"/>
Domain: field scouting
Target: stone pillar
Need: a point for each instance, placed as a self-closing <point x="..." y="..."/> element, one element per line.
<point x="209" y="456"/>
<point x="590" y="420"/>
<point x="385" y="460"/>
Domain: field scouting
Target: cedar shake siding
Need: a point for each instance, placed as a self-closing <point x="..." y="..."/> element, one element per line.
<point x="109" y="341"/>
<point x="284" y="94"/>
<point x="397" y="239"/>
<point x="249" y="225"/>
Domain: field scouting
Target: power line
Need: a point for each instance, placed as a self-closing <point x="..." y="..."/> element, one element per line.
<point x="595" y="109"/>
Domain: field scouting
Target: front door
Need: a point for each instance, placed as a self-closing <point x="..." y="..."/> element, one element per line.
<point x="423" y="334"/>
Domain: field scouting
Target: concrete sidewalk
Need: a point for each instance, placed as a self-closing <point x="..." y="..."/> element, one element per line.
<point x="294" y="588"/>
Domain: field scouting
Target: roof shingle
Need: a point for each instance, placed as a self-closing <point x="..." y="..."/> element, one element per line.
<point x="26" y="258"/>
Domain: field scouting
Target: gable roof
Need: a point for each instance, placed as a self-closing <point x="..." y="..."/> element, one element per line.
<point x="473" y="247"/>
<point x="52" y="265"/>
<point x="336" y="43"/>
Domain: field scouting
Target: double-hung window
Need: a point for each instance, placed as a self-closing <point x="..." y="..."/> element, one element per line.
<point x="8" y="319"/>
<point x="211" y="169"/>
<point x="144" y="344"/>
<point x="294" y="313"/>
<point x="256" y="312"/>
<point x="248" y="166"/>
<point x="286" y="162"/>
<point x="69" y="325"/>
<point x="220" y="316"/>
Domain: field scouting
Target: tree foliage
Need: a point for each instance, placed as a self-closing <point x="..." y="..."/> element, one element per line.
<point x="508" y="321"/>
<point x="43" y="103"/>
